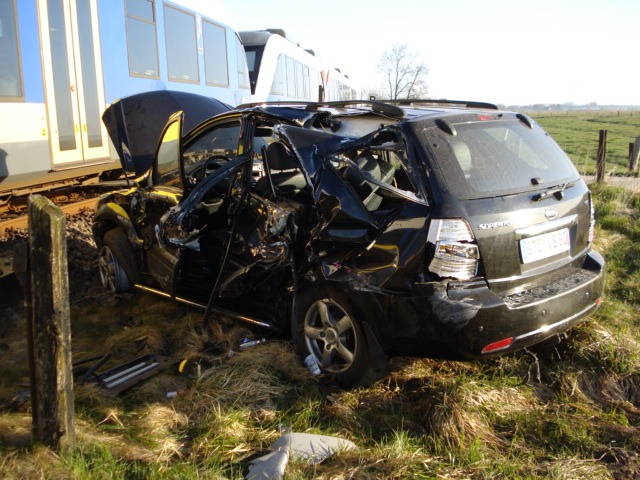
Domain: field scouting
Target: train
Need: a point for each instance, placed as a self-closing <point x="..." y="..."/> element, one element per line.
<point x="281" y="70"/>
<point x="62" y="62"/>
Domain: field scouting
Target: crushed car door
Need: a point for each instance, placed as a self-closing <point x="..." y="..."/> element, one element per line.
<point x="367" y="192"/>
<point x="343" y="217"/>
<point x="351" y="178"/>
<point x="194" y="233"/>
<point x="197" y="231"/>
<point x="163" y="191"/>
<point x="229" y="239"/>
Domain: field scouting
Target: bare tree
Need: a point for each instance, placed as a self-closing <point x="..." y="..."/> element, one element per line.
<point x="404" y="73"/>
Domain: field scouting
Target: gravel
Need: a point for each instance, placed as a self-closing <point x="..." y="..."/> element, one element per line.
<point x="82" y="256"/>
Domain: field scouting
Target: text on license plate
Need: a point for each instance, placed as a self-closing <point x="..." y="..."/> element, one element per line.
<point x="544" y="246"/>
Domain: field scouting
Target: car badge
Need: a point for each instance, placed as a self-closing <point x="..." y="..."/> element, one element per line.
<point x="550" y="213"/>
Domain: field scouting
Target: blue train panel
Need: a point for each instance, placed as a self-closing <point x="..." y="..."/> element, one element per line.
<point x="65" y="61"/>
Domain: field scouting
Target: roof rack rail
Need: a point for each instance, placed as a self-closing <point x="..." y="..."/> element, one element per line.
<point x="378" y="107"/>
<point x="463" y="103"/>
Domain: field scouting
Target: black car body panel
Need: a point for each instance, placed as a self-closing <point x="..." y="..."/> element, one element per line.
<point x="260" y="210"/>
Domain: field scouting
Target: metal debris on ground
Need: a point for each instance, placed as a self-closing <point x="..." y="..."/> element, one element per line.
<point x="307" y="447"/>
<point x="125" y="376"/>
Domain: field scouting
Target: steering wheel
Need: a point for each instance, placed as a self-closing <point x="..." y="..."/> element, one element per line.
<point x="213" y="163"/>
<point x="206" y="168"/>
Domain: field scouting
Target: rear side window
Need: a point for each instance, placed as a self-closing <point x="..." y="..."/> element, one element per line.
<point x="490" y="158"/>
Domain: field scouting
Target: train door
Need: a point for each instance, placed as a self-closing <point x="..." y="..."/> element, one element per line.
<point x="73" y="81"/>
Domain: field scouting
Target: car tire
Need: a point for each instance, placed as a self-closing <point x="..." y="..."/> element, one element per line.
<point x="116" y="263"/>
<point x="329" y="332"/>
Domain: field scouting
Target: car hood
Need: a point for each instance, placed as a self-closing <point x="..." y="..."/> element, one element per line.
<point x="135" y="123"/>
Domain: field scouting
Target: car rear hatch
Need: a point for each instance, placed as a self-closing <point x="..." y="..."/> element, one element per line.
<point x="526" y="207"/>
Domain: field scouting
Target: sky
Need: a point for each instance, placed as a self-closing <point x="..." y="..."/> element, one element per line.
<point x="510" y="52"/>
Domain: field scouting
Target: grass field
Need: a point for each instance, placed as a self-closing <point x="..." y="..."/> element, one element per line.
<point x="561" y="411"/>
<point x="577" y="133"/>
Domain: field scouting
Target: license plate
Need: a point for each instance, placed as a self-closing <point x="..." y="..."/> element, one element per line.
<point x="544" y="246"/>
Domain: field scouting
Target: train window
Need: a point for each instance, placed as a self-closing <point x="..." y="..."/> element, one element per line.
<point x="10" y="71"/>
<point x="277" y="87"/>
<point x="216" y="71"/>
<point x="181" y="44"/>
<point x="315" y="84"/>
<point x="142" y="48"/>
<point x="300" y="81"/>
<point x="291" y="77"/>
<point x="243" y="74"/>
<point x="307" y="84"/>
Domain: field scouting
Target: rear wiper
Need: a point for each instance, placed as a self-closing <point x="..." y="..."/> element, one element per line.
<point x="557" y="191"/>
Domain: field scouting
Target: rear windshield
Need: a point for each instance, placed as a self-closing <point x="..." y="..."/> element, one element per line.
<point x="501" y="157"/>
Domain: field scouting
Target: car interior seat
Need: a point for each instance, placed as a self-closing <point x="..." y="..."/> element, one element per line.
<point x="381" y="171"/>
<point x="283" y="170"/>
<point x="463" y="156"/>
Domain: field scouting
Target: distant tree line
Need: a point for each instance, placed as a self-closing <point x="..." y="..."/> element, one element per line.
<point x="567" y="107"/>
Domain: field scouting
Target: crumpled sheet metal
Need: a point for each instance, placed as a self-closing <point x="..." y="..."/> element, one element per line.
<point x="307" y="447"/>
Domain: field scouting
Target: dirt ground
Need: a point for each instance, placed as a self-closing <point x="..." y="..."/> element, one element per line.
<point x="630" y="183"/>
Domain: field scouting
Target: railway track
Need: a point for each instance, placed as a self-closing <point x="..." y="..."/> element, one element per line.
<point x="68" y="208"/>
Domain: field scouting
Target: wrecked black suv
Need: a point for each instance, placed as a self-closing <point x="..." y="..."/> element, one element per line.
<point x="360" y="230"/>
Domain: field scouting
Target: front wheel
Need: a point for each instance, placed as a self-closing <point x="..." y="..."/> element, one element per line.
<point x="116" y="264"/>
<point x="329" y="332"/>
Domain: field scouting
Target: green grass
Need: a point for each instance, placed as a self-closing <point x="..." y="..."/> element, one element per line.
<point x="578" y="133"/>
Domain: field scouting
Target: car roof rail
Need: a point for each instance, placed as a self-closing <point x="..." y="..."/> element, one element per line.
<point x="443" y="102"/>
<point x="376" y="106"/>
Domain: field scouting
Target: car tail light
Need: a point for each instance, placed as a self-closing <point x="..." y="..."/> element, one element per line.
<point x="456" y="254"/>
<point x="592" y="222"/>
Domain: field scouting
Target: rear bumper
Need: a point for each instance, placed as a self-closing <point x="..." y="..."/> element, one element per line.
<point x="467" y="320"/>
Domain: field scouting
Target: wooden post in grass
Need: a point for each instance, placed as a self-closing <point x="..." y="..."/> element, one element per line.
<point x="634" y="155"/>
<point x="602" y="154"/>
<point x="49" y="326"/>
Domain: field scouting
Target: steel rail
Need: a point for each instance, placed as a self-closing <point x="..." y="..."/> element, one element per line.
<point x="68" y="208"/>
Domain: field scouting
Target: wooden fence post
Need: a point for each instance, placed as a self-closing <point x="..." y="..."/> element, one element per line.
<point x="602" y="155"/>
<point x="634" y="154"/>
<point x="50" y="325"/>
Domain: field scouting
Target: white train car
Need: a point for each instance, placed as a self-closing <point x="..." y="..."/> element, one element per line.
<point x="63" y="61"/>
<point x="281" y="70"/>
